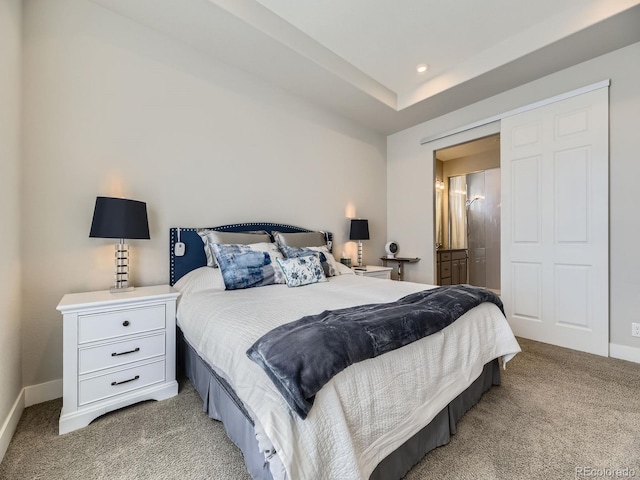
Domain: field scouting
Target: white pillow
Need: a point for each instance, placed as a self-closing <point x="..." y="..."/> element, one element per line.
<point x="203" y="278"/>
<point x="344" y="270"/>
<point x="331" y="260"/>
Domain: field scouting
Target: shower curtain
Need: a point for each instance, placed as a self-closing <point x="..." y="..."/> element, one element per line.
<point x="439" y="233"/>
<point x="457" y="212"/>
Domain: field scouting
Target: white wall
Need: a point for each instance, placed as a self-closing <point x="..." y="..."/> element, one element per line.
<point x="410" y="175"/>
<point x="410" y="202"/>
<point x="10" y="369"/>
<point x="115" y="108"/>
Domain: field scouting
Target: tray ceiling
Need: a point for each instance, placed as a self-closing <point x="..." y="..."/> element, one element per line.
<point x="359" y="57"/>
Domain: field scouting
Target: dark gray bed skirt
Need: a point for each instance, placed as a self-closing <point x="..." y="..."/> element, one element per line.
<point x="221" y="403"/>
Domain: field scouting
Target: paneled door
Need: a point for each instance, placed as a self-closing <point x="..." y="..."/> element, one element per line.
<point x="555" y="224"/>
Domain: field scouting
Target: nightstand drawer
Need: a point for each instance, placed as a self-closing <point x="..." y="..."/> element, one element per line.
<point x="120" y="353"/>
<point x="101" y="326"/>
<point x="374" y="271"/>
<point x="385" y="275"/>
<point x="105" y="386"/>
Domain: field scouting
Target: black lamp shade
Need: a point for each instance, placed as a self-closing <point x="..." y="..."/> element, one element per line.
<point x="359" y="229"/>
<point x="119" y="218"/>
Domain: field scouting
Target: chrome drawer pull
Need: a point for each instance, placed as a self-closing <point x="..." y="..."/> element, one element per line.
<point x="113" y="384"/>
<point x="125" y="323"/>
<point x="137" y="349"/>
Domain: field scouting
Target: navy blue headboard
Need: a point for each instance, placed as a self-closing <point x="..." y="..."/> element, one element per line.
<point x="194" y="256"/>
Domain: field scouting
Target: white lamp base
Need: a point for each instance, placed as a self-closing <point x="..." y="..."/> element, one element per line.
<point x="121" y="289"/>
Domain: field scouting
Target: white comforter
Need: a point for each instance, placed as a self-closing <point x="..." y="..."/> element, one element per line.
<point x="366" y="411"/>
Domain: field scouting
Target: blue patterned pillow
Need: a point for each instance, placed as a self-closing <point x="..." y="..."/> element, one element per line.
<point x="209" y="237"/>
<point x="302" y="270"/>
<point x="292" y="252"/>
<point x="243" y="267"/>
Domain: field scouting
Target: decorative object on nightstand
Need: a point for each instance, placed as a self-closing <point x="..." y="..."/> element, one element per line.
<point x="359" y="231"/>
<point x="120" y="218"/>
<point x="117" y="350"/>
<point x="391" y="248"/>
<point x="401" y="261"/>
<point x="374" y="271"/>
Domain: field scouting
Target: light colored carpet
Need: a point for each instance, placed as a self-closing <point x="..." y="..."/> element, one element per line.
<point x="556" y="410"/>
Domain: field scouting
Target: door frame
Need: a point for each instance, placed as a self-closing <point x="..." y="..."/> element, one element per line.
<point x="466" y="136"/>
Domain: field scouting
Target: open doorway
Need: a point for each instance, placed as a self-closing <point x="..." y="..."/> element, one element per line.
<point x="467" y="219"/>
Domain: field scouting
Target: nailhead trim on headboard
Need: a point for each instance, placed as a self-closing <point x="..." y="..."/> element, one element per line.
<point x="194" y="254"/>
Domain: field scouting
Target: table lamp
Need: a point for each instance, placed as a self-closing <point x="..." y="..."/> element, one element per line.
<point x="120" y="218"/>
<point x="359" y="231"/>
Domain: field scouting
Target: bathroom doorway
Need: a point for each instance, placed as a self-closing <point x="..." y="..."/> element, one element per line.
<point x="468" y="213"/>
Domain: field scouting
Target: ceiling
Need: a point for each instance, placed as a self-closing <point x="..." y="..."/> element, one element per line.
<point x="358" y="57"/>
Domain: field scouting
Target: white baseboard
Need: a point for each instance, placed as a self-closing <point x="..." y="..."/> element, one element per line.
<point x="43" y="392"/>
<point x="624" y="352"/>
<point x="10" y="424"/>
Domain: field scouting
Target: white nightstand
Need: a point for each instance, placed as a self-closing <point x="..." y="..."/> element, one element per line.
<point x="118" y="349"/>
<point x="375" y="272"/>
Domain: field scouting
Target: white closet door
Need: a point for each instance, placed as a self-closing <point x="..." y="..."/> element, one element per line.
<point x="555" y="222"/>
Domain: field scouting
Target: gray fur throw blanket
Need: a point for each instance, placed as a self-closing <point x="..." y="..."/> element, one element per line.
<point x="301" y="356"/>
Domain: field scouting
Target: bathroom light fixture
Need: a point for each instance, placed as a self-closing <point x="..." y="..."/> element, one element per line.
<point x="120" y="218"/>
<point x="423" y="67"/>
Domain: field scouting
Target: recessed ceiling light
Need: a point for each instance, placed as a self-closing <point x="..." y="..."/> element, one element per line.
<point x="423" y="67"/>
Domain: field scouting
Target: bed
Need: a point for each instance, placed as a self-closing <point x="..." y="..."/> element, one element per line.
<point x="376" y="419"/>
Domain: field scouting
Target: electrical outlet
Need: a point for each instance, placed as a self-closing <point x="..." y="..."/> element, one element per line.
<point x="635" y="329"/>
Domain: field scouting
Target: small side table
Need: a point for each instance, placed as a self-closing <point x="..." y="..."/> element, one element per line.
<point x="401" y="261"/>
<point x="118" y="349"/>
